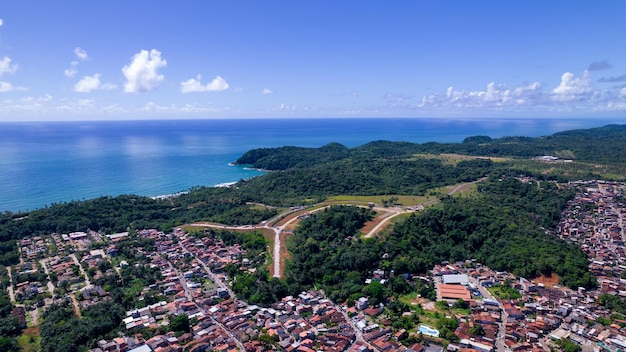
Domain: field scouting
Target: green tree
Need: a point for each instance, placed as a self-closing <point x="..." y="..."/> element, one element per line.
<point x="375" y="290"/>
<point x="568" y="346"/>
<point x="476" y="330"/>
<point x="179" y="323"/>
<point x="9" y="345"/>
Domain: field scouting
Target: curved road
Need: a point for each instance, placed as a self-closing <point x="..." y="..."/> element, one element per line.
<point x="279" y="229"/>
<point x="398" y="211"/>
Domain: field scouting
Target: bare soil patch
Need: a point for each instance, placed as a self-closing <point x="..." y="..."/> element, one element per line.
<point x="287" y="218"/>
<point x="270" y="268"/>
<point x="33" y="330"/>
<point x="426" y="304"/>
<point x="292" y="226"/>
<point x="547" y="281"/>
<point x="372" y="223"/>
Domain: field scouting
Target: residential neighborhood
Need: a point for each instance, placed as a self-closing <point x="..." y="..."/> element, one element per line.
<point x="489" y="310"/>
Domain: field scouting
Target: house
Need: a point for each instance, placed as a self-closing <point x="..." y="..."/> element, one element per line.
<point x="361" y="303"/>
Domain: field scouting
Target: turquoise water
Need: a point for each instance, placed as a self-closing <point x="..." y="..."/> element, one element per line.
<point x="49" y="162"/>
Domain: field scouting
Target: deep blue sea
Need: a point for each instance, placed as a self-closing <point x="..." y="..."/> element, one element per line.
<point x="50" y="162"/>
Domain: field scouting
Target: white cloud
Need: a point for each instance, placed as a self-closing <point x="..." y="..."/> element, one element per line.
<point x="5" y="87"/>
<point x="72" y="71"/>
<point x="572" y="93"/>
<point x="398" y="101"/>
<point x="283" y="107"/>
<point x="614" y="106"/>
<point x="6" y="66"/>
<point x="90" y="83"/>
<point x="80" y="54"/>
<point x="495" y="95"/>
<point x="142" y="73"/>
<point x="622" y="92"/>
<point x="572" y="88"/>
<point x="152" y="106"/>
<point x="1" y="22"/>
<point x="26" y="104"/>
<point x="194" y="85"/>
<point x="87" y="84"/>
<point x="266" y="91"/>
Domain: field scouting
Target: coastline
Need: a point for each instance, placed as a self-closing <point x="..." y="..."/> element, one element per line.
<point x="46" y="162"/>
<point x="171" y="195"/>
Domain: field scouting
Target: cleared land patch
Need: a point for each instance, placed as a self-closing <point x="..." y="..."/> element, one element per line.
<point x="453" y="159"/>
<point x="364" y="200"/>
<point x="547" y="281"/>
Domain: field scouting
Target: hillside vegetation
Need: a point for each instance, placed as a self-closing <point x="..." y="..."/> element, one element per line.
<point x="309" y="175"/>
<point x="503" y="226"/>
<point x="596" y="145"/>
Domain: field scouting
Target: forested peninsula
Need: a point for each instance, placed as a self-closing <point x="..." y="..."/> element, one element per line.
<point x="520" y="188"/>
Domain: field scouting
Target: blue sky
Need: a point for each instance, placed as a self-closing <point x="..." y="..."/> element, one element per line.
<point x="95" y="60"/>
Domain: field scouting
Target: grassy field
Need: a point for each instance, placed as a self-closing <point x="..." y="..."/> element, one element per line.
<point x="453" y="159"/>
<point x="573" y="169"/>
<point x="432" y="195"/>
<point x="192" y="229"/>
<point x="402" y="200"/>
<point x="504" y="292"/>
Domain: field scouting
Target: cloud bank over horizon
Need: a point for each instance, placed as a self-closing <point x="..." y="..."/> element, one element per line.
<point x="294" y="68"/>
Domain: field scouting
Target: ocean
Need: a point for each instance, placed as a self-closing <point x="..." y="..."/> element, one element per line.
<point x="50" y="162"/>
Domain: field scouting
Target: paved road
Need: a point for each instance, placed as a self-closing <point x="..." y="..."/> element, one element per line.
<point x="357" y="332"/>
<point x="386" y="219"/>
<point x="277" y="258"/>
<point x="399" y="211"/>
<point x="183" y="283"/>
<point x="212" y="276"/>
<point x="190" y="297"/>
<point x="500" y="346"/>
<point x="279" y="229"/>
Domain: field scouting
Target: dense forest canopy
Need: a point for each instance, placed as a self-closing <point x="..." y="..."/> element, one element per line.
<point x="509" y="215"/>
<point x="602" y="144"/>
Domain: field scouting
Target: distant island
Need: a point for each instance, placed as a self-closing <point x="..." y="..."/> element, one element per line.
<point x="513" y="243"/>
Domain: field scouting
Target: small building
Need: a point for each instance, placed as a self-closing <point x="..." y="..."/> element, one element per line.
<point x="455" y="279"/>
<point x="361" y="303"/>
